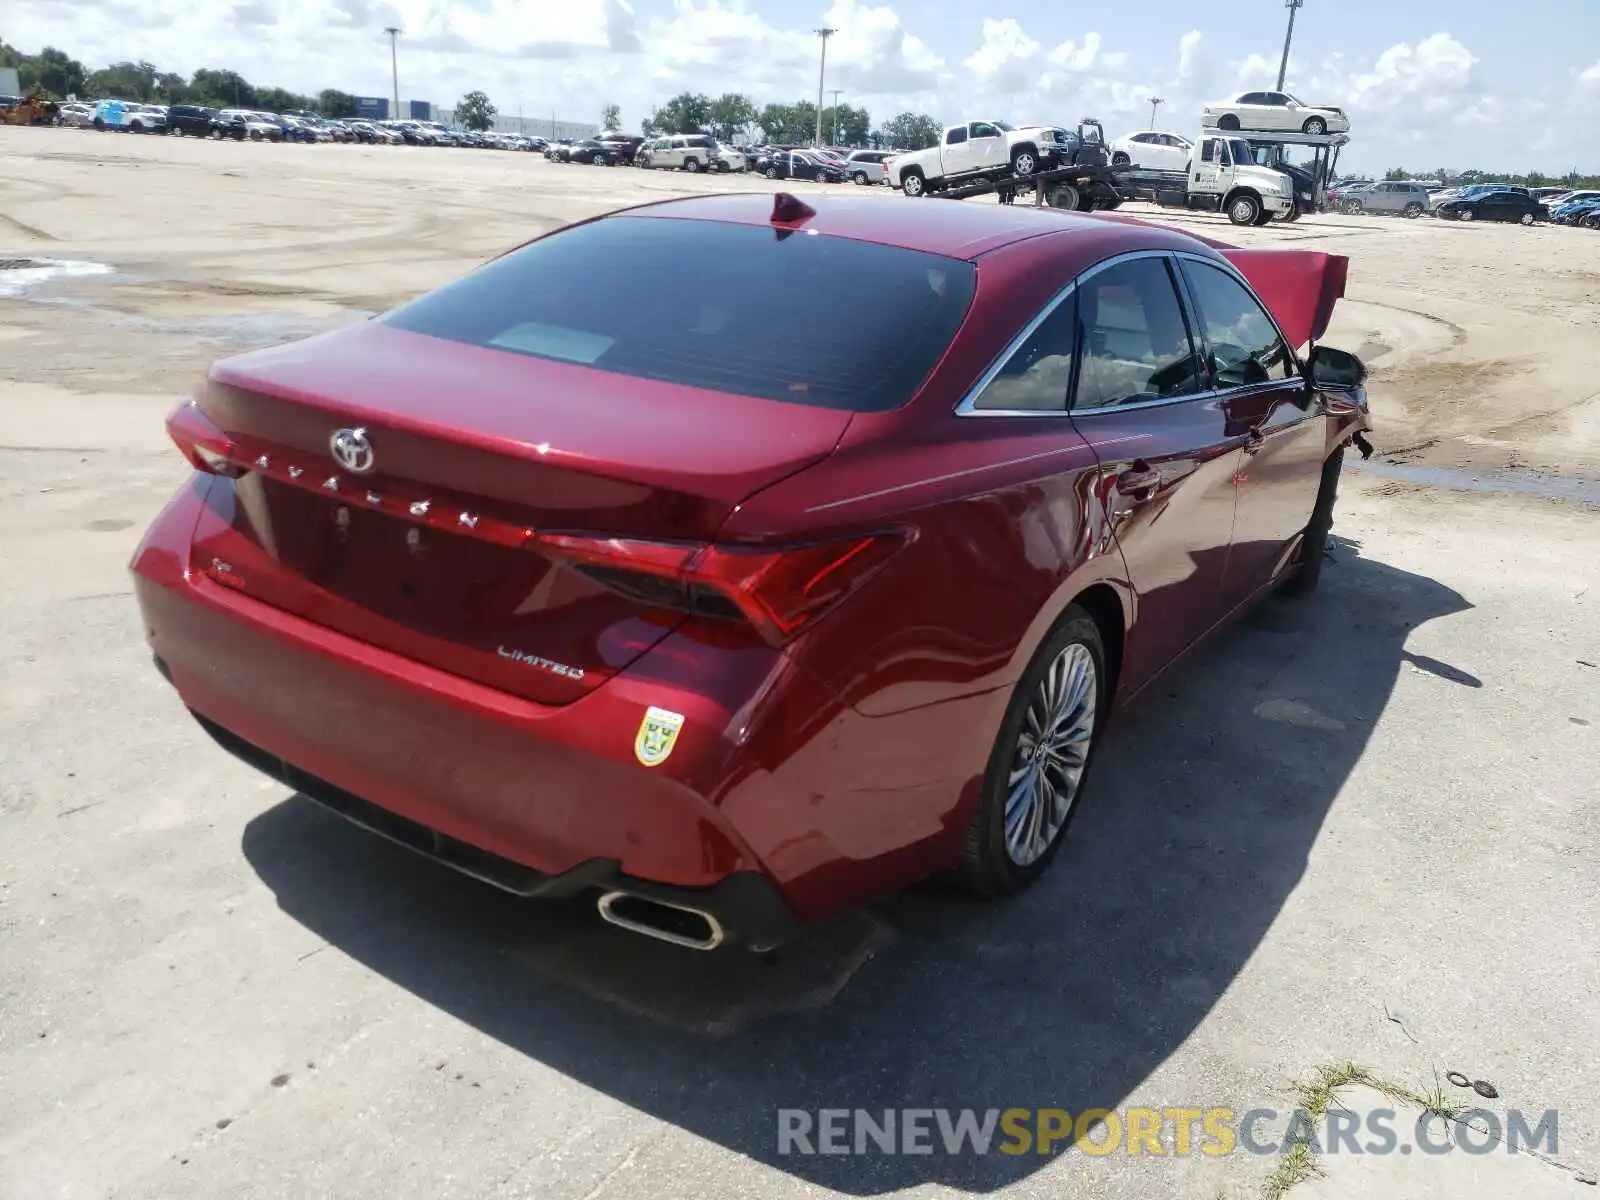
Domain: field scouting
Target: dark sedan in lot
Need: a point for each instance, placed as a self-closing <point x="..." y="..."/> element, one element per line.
<point x="818" y="590"/>
<point x="800" y="164"/>
<point x="1494" y="206"/>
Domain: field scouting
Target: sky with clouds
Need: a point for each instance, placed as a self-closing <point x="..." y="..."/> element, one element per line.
<point x="1428" y="83"/>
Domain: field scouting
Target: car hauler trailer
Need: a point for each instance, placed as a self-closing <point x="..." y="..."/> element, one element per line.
<point x="1081" y="188"/>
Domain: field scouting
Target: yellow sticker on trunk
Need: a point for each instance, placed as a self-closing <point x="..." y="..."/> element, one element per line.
<point x="658" y="734"/>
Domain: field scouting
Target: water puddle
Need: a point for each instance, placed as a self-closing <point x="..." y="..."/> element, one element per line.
<point x="1523" y="483"/>
<point x="17" y="274"/>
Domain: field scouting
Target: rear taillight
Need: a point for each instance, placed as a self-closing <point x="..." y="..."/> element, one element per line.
<point x="778" y="590"/>
<point x="206" y="447"/>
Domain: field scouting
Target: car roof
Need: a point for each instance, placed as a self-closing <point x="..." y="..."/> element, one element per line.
<point x="934" y="226"/>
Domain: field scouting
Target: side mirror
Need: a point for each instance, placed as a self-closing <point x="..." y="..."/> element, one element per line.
<point x="1336" y="370"/>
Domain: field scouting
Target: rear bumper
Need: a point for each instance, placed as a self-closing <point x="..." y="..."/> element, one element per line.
<point x="777" y="799"/>
<point x="745" y="905"/>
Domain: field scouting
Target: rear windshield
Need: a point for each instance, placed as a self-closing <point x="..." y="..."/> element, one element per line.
<point x="748" y="310"/>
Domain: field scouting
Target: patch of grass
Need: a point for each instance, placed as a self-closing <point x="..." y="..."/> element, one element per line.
<point x="1299" y="1160"/>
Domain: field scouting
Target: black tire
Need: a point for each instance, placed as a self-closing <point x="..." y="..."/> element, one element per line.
<point x="100" y="124"/>
<point x="1413" y="210"/>
<point x="1243" y="209"/>
<point x="771" y="172"/>
<point x="913" y="184"/>
<point x="1120" y="159"/>
<point x="1024" y="161"/>
<point x="1307" y="571"/>
<point x="859" y="178"/>
<point x="1314" y="127"/>
<point x="987" y="868"/>
<point x="1264" y="219"/>
<point x="1527" y="218"/>
<point x="692" y="165"/>
<point x="1063" y="195"/>
<point x="1229" y="123"/>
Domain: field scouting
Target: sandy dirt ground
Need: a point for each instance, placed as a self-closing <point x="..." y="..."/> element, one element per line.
<point x="1362" y="828"/>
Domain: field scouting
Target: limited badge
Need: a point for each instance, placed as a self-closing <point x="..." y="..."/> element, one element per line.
<point x="658" y="734"/>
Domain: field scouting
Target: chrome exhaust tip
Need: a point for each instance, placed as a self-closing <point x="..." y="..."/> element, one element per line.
<point x="675" y="923"/>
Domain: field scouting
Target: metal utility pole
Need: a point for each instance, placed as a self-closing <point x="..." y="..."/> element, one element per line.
<point x="1155" y="103"/>
<point x="836" y="92"/>
<point x="394" y="66"/>
<point x="1283" y="65"/>
<point x="822" y="70"/>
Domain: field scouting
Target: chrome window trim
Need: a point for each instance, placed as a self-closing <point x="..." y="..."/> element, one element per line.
<point x="967" y="406"/>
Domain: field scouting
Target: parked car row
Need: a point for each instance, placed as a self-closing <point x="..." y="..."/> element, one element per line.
<point x="245" y="124"/>
<point x="702" y="152"/>
<point x="1474" y="202"/>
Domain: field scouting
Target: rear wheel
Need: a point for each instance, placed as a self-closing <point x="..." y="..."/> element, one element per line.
<point x="1527" y="218"/>
<point x="692" y="165"/>
<point x="1466" y="214"/>
<point x="912" y="183"/>
<point x="1413" y="210"/>
<point x="1119" y="159"/>
<point x="859" y="178"/>
<point x="1040" y="761"/>
<point x="772" y="172"/>
<point x="1063" y="195"/>
<point x="1315" y="126"/>
<point x="1307" y="571"/>
<point x="1229" y="122"/>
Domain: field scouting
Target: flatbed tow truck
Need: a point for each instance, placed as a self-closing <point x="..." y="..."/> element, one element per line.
<point x="1178" y="189"/>
<point x="1083" y="188"/>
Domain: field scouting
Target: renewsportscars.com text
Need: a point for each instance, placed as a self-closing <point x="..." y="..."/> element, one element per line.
<point x="1156" y="1131"/>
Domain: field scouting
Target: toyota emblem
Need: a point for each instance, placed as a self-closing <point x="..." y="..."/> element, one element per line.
<point x="352" y="450"/>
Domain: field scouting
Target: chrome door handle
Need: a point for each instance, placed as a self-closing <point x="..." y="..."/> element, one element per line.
<point x="1139" y="482"/>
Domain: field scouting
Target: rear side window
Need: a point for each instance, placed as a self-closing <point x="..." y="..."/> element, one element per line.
<point x="747" y="310"/>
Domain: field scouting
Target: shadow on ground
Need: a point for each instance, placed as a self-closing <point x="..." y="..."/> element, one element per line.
<point x="1205" y="805"/>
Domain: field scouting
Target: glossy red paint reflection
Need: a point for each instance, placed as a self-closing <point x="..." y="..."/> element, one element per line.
<point x="470" y="631"/>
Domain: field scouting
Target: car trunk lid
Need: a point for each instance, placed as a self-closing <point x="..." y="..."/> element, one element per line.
<point x="424" y="539"/>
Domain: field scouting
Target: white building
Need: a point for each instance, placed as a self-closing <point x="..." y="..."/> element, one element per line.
<point x="548" y="128"/>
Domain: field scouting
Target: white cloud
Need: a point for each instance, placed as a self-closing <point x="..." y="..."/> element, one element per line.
<point x="1433" y="97"/>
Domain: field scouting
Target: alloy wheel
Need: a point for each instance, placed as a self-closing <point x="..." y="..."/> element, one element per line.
<point x="1051" y="753"/>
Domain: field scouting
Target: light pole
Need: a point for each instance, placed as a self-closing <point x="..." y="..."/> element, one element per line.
<point x="1283" y="65"/>
<point x="836" y="92"/>
<point x="1155" y="103"/>
<point x="394" y="66"/>
<point x="822" y="70"/>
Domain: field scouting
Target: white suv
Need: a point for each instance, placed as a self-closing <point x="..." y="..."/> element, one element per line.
<point x="692" y="152"/>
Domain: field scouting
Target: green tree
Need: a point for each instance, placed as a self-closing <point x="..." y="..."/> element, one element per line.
<point x="731" y="113"/>
<point x="125" y="81"/>
<point x="789" y="124"/>
<point x="1395" y="173"/>
<point x="221" y="89"/>
<point x="911" y="131"/>
<point x="51" y="71"/>
<point x="846" y="126"/>
<point x="687" y="112"/>
<point x="475" y="111"/>
<point x="333" y="103"/>
<point x="281" y="100"/>
<point x="611" y="117"/>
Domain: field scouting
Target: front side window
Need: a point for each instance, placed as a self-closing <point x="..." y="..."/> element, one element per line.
<point x="982" y="129"/>
<point x="1246" y="347"/>
<point x="1134" y="342"/>
<point x="1036" y="377"/>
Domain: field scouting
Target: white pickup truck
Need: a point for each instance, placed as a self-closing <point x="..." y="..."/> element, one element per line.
<point x="979" y="150"/>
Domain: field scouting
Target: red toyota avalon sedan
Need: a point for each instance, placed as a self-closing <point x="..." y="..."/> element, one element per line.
<point x="736" y="559"/>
